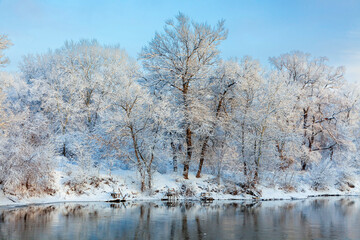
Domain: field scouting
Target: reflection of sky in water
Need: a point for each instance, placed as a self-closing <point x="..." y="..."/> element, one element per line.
<point x="328" y="218"/>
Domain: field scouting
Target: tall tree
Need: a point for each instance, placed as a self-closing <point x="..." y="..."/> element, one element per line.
<point x="179" y="56"/>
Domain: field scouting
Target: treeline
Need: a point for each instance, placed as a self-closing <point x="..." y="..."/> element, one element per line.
<point x="178" y="105"/>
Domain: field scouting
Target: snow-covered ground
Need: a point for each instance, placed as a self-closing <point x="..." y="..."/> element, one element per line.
<point x="99" y="189"/>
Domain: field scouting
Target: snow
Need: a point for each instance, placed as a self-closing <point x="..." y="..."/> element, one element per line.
<point x="127" y="181"/>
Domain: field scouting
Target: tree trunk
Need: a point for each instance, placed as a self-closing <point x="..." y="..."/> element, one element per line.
<point x="255" y="161"/>
<point x="331" y="153"/>
<point x="64" y="150"/>
<point x="202" y="156"/>
<point x="188" y="133"/>
<point x="175" y="167"/>
<point x="139" y="165"/>
<point x="188" y="153"/>
<point x="149" y="178"/>
<point x="311" y="140"/>
<point x="243" y="147"/>
<point x="148" y="169"/>
<point x="142" y="183"/>
<point x="303" y="165"/>
<point x="256" y="175"/>
<point x="305" y="117"/>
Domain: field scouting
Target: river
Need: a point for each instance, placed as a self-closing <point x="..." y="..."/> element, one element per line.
<point x="314" y="218"/>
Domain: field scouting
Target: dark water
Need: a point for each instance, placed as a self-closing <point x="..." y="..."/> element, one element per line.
<point x="327" y="218"/>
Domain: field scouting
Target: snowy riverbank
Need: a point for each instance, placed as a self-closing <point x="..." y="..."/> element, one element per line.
<point x="99" y="189"/>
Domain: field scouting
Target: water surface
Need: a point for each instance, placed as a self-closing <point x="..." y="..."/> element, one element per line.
<point x="325" y="218"/>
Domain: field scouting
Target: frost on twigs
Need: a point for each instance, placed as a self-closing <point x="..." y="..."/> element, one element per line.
<point x="27" y="155"/>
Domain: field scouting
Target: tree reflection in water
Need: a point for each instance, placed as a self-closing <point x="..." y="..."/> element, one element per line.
<point x="326" y="218"/>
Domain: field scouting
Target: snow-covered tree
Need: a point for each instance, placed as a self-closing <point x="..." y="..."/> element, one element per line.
<point x="316" y="87"/>
<point x="27" y="156"/>
<point x="70" y="85"/>
<point x="4" y="44"/>
<point x="215" y="95"/>
<point x="26" y="144"/>
<point x="134" y="121"/>
<point x="177" y="58"/>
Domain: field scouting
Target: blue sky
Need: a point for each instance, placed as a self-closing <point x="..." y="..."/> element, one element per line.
<point x="257" y="28"/>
